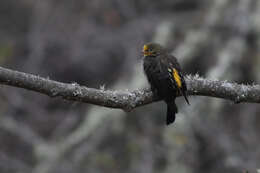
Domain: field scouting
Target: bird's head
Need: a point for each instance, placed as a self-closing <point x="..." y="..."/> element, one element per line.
<point x="152" y="49"/>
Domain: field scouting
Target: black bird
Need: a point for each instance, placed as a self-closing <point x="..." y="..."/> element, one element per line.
<point x="165" y="76"/>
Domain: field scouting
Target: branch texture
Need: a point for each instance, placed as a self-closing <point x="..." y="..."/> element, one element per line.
<point x="124" y="99"/>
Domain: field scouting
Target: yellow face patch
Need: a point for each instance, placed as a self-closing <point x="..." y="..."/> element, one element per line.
<point x="176" y="77"/>
<point x="146" y="50"/>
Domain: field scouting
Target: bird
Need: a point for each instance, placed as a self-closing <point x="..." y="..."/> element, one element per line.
<point x="165" y="77"/>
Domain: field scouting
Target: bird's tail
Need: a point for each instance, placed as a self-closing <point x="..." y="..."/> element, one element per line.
<point x="171" y="111"/>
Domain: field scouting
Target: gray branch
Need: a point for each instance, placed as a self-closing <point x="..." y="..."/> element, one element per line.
<point x="124" y="99"/>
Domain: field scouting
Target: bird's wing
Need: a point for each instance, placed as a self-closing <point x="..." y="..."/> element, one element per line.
<point x="176" y="76"/>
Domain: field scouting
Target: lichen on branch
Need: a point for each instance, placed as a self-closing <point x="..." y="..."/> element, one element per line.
<point x="127" y="100"/>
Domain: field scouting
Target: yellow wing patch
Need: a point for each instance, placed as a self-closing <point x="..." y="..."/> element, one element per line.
<point x="176" y="77"/>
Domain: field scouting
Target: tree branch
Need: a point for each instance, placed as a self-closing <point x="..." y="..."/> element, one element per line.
<point x="124" y="99"/>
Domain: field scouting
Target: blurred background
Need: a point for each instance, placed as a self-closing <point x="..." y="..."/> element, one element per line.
<point x="98" y="43"/>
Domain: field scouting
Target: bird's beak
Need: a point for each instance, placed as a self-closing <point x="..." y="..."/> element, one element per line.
<point x="145" y="53"/>
<point x="142" y="55"/>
